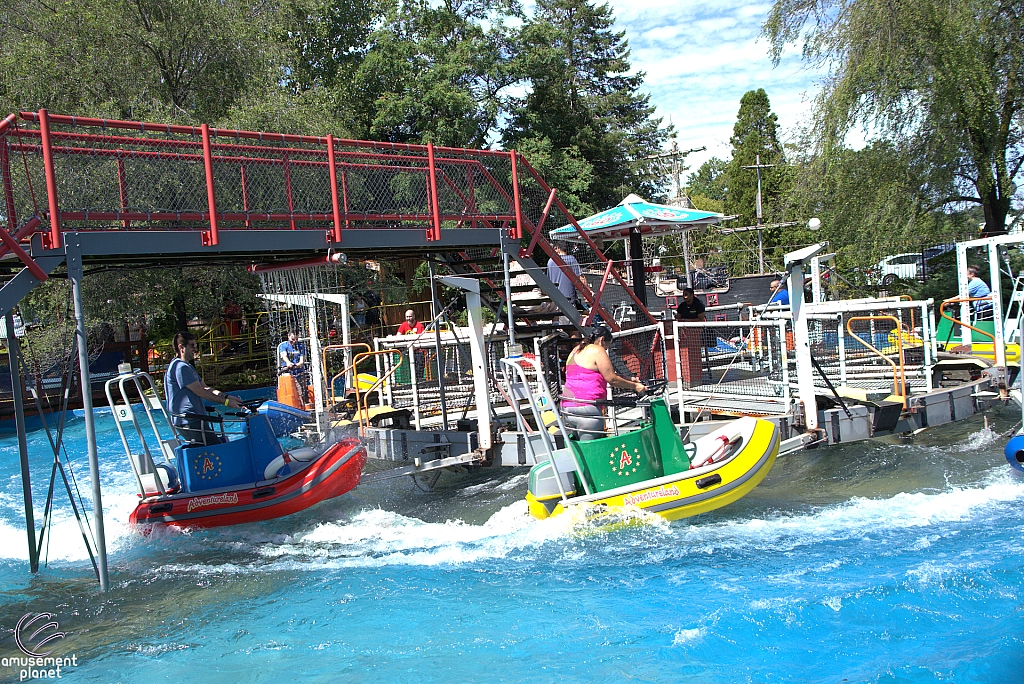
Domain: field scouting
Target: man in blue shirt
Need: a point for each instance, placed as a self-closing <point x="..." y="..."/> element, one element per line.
<point x="289" y="355"/>
<point x="976" y="289"/>
<point x="781" y="295"/>
<point x="186" y="391"/>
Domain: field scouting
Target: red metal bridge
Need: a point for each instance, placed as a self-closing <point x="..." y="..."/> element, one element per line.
<point x="103" y="191"/>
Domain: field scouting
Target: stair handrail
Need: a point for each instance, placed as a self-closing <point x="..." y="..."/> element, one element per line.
<point x="585" y="290"/>
<point x="899" y="379"/>
<point x="344" y="371"/>
<point x="957" y="321"/>
<point x="363" y="406"/>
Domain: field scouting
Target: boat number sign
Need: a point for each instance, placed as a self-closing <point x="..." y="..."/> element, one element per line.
<point x="207" y="465"/>
<point x="623" y="462"/>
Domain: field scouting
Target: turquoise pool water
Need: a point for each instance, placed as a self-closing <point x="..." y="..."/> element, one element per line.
<point x="895" y="561"/>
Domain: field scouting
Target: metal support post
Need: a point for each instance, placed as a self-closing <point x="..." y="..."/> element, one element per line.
<point x="782" y="360"/>
<point x="317" y="375"/>
<point x="636" y="253"/>
<point x="211" y="197"/>
<point x="816" y="280"/>
<point x="346" y="339"/>
<point x="841" y="335"/>
<point x="14" y="358"/>
<point x="961" y="279"/>
<point x="435" y="210"/>
<point x="439" y="350"/>
<point x="517" y="233"/>
<point x="74" y="264"/>
<point x="508" y="299"/>
<point x="335" y="204"/>
<point x="51" y="179"/>
<point x="999" y="344"/>
<point x="795" y="262"/>
<point x="686" y="258"/>
<point x="802" y="347"/>
<point x="478" y="352"/>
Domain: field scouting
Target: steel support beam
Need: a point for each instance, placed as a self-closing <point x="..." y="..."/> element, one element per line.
<point x="14" y="357"/>
<point x="75" y="274"/>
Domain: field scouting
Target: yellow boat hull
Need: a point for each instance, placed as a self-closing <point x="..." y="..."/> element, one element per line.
<point x="986" y="350"/>
<point x="688" y="493"/>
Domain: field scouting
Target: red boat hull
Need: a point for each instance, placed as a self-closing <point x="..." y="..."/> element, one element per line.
<point x="336" y="472"/>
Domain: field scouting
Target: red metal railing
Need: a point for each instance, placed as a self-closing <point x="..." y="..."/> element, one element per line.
<point x="64" y="173"/>
<point x="101" y="174"/>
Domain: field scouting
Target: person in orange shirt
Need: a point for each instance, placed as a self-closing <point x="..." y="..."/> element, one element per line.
<point x="411" y="326"/>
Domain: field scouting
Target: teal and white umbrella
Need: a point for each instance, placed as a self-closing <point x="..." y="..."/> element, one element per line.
<point x="636" y="214"/>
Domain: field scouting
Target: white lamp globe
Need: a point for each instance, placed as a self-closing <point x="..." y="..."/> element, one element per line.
<point x="814" y="224"/>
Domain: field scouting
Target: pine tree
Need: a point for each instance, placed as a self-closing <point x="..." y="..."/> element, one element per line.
<point x="755" y="135"/>
<point x="583" y="104"/>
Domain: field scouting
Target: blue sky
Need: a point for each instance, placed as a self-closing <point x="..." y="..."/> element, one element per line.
<point x="701" y="56"/>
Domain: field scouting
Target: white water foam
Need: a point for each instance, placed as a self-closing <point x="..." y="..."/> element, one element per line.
<point x="859" y="517"/>
<point x="64" y="541"/>
<point x="375" y="538"/>
<point x="688" y="636"/>
<point x="378" y="537"/>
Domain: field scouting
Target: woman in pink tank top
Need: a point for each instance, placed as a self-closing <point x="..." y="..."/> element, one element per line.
<point x="588" y="372"/>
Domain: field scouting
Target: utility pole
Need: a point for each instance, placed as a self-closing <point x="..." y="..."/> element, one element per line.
<point x="677" y="156"/>
<point x="760" y="241"/>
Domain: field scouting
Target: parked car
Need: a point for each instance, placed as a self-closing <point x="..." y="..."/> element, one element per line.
<point x="907" y="266"/>
<point x="898" y="267"/>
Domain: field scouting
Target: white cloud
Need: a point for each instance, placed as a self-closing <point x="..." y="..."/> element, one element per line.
<point x="700" y="57"/>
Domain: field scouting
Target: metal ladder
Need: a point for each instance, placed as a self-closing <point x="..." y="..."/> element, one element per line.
<point x="517" y="385"/>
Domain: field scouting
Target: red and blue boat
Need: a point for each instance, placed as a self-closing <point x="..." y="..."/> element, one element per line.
<point x="242" y="475"/>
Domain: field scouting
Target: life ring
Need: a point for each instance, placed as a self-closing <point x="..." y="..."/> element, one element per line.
<point x="301" y="455"/>
<point x="718" y="446"/>
<point x="274" y="467"/>
<point x="720" y="450"/>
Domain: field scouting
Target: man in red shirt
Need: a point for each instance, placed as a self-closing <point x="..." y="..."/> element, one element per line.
<point x="411" y="325"/>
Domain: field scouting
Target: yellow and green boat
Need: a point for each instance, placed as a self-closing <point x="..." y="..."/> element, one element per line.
<point x="652" y="469"/>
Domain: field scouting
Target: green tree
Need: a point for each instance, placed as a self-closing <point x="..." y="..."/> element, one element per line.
<point x="184" y="60"/>
<point x="945" y="76"/>
<point x="756" y="136"/>
<point x="431" y="72"/>
<point x="871" y="204"/>
<point x="710" y="180"/>
<point x="326" y="40"/>
<point x="583" y="101"/>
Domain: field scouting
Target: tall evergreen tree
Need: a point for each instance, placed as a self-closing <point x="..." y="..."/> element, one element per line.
<point x="432" y="72"/>
<point x="755" y="135"/>
<point x="582" y="103"/>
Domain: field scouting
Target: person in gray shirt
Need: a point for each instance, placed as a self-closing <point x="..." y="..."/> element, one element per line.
<point x="562" y="281"/>
<point x="186" y="392"/>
